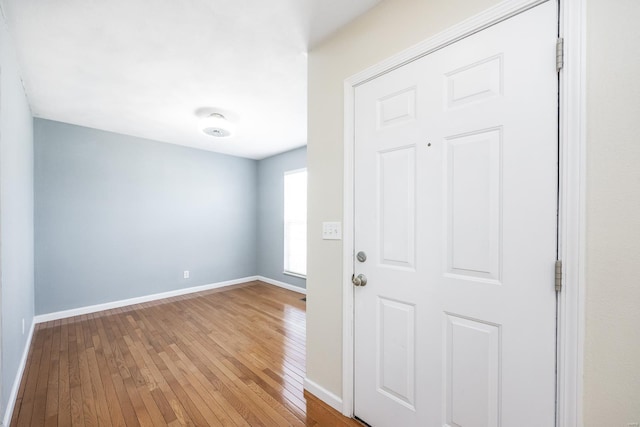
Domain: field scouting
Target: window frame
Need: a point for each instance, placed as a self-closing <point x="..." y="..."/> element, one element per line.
<point x="286" y="268"/>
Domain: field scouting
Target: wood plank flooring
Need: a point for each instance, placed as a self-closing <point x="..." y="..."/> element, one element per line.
<point x="228" y="357"/>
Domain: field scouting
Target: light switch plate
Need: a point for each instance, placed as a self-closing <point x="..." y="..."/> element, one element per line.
<point x="331" y="230"/>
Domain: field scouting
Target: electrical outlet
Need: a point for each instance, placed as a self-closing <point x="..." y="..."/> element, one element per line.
<point x="186" y="274"/>
<point x="633" y="425"/>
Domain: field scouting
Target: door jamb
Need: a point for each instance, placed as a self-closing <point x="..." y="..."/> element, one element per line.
<point x="571" y="224"/>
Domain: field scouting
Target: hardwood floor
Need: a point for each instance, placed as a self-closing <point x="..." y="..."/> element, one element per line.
<point x="228" y="357"/>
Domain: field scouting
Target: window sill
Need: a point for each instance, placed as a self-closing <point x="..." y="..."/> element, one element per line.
<point x="298" y="275"/>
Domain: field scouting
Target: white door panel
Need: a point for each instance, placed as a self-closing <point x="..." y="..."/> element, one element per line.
<point x="471" y="385"/>
<point x="455" y="206"/>
<point x="396" y="186"/>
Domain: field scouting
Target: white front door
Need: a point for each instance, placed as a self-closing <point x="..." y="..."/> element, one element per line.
<point x="455" y="208"/>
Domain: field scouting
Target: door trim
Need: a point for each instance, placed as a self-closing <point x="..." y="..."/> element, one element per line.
<point x="571" y="224"/>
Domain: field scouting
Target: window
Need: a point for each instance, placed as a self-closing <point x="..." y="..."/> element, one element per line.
<point x="295" y="222"/>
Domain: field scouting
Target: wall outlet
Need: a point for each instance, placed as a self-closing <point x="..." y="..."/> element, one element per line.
<point x="331" y="230"/>
<point x="186" y="274"/>
<point x="23" y="326"/>
<point x="633" y="425"/>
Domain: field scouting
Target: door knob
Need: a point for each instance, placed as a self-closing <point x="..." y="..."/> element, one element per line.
<point x="359" y="280"/>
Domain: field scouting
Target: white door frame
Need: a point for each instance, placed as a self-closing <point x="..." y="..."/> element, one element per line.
<point x="571" y="198"/>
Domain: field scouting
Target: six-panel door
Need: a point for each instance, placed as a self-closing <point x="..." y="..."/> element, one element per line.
<point x="455" y="204"/>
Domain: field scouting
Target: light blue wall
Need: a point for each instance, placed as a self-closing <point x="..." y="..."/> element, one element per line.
<point x="16" y="215"/>
<point x="271" y="213"/>
<point x="119" y="217"/>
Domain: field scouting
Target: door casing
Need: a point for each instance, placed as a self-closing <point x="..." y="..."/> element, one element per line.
<point x="571" y="224"/>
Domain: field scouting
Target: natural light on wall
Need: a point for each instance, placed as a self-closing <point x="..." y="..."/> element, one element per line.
<point x="295" y="222"/>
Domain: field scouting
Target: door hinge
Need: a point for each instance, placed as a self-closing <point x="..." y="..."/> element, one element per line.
<point x="559" y="54"/>
<point x="558" y="275"/>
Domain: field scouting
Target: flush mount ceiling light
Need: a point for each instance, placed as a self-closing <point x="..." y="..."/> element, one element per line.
<point x="215" y="124"/>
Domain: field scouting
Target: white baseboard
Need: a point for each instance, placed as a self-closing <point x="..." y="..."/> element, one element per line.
<point x="323" y="394"/>
<point x="154" y="297"/>
<point x="138" y="300"/>
<point x="11" y="403"/>
<point x="282" y="285"/>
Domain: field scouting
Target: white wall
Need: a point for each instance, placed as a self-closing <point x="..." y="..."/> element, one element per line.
<point x="390" y="27"/>
<point x="612" y="350"/>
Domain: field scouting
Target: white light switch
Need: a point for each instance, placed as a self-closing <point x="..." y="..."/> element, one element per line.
<point x="331" y="230"/>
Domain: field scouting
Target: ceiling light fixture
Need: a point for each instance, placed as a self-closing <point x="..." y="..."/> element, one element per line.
<point x="215" y="124"/>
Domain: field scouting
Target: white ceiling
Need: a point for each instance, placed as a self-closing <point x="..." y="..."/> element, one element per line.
<point x="148" y="68"/>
